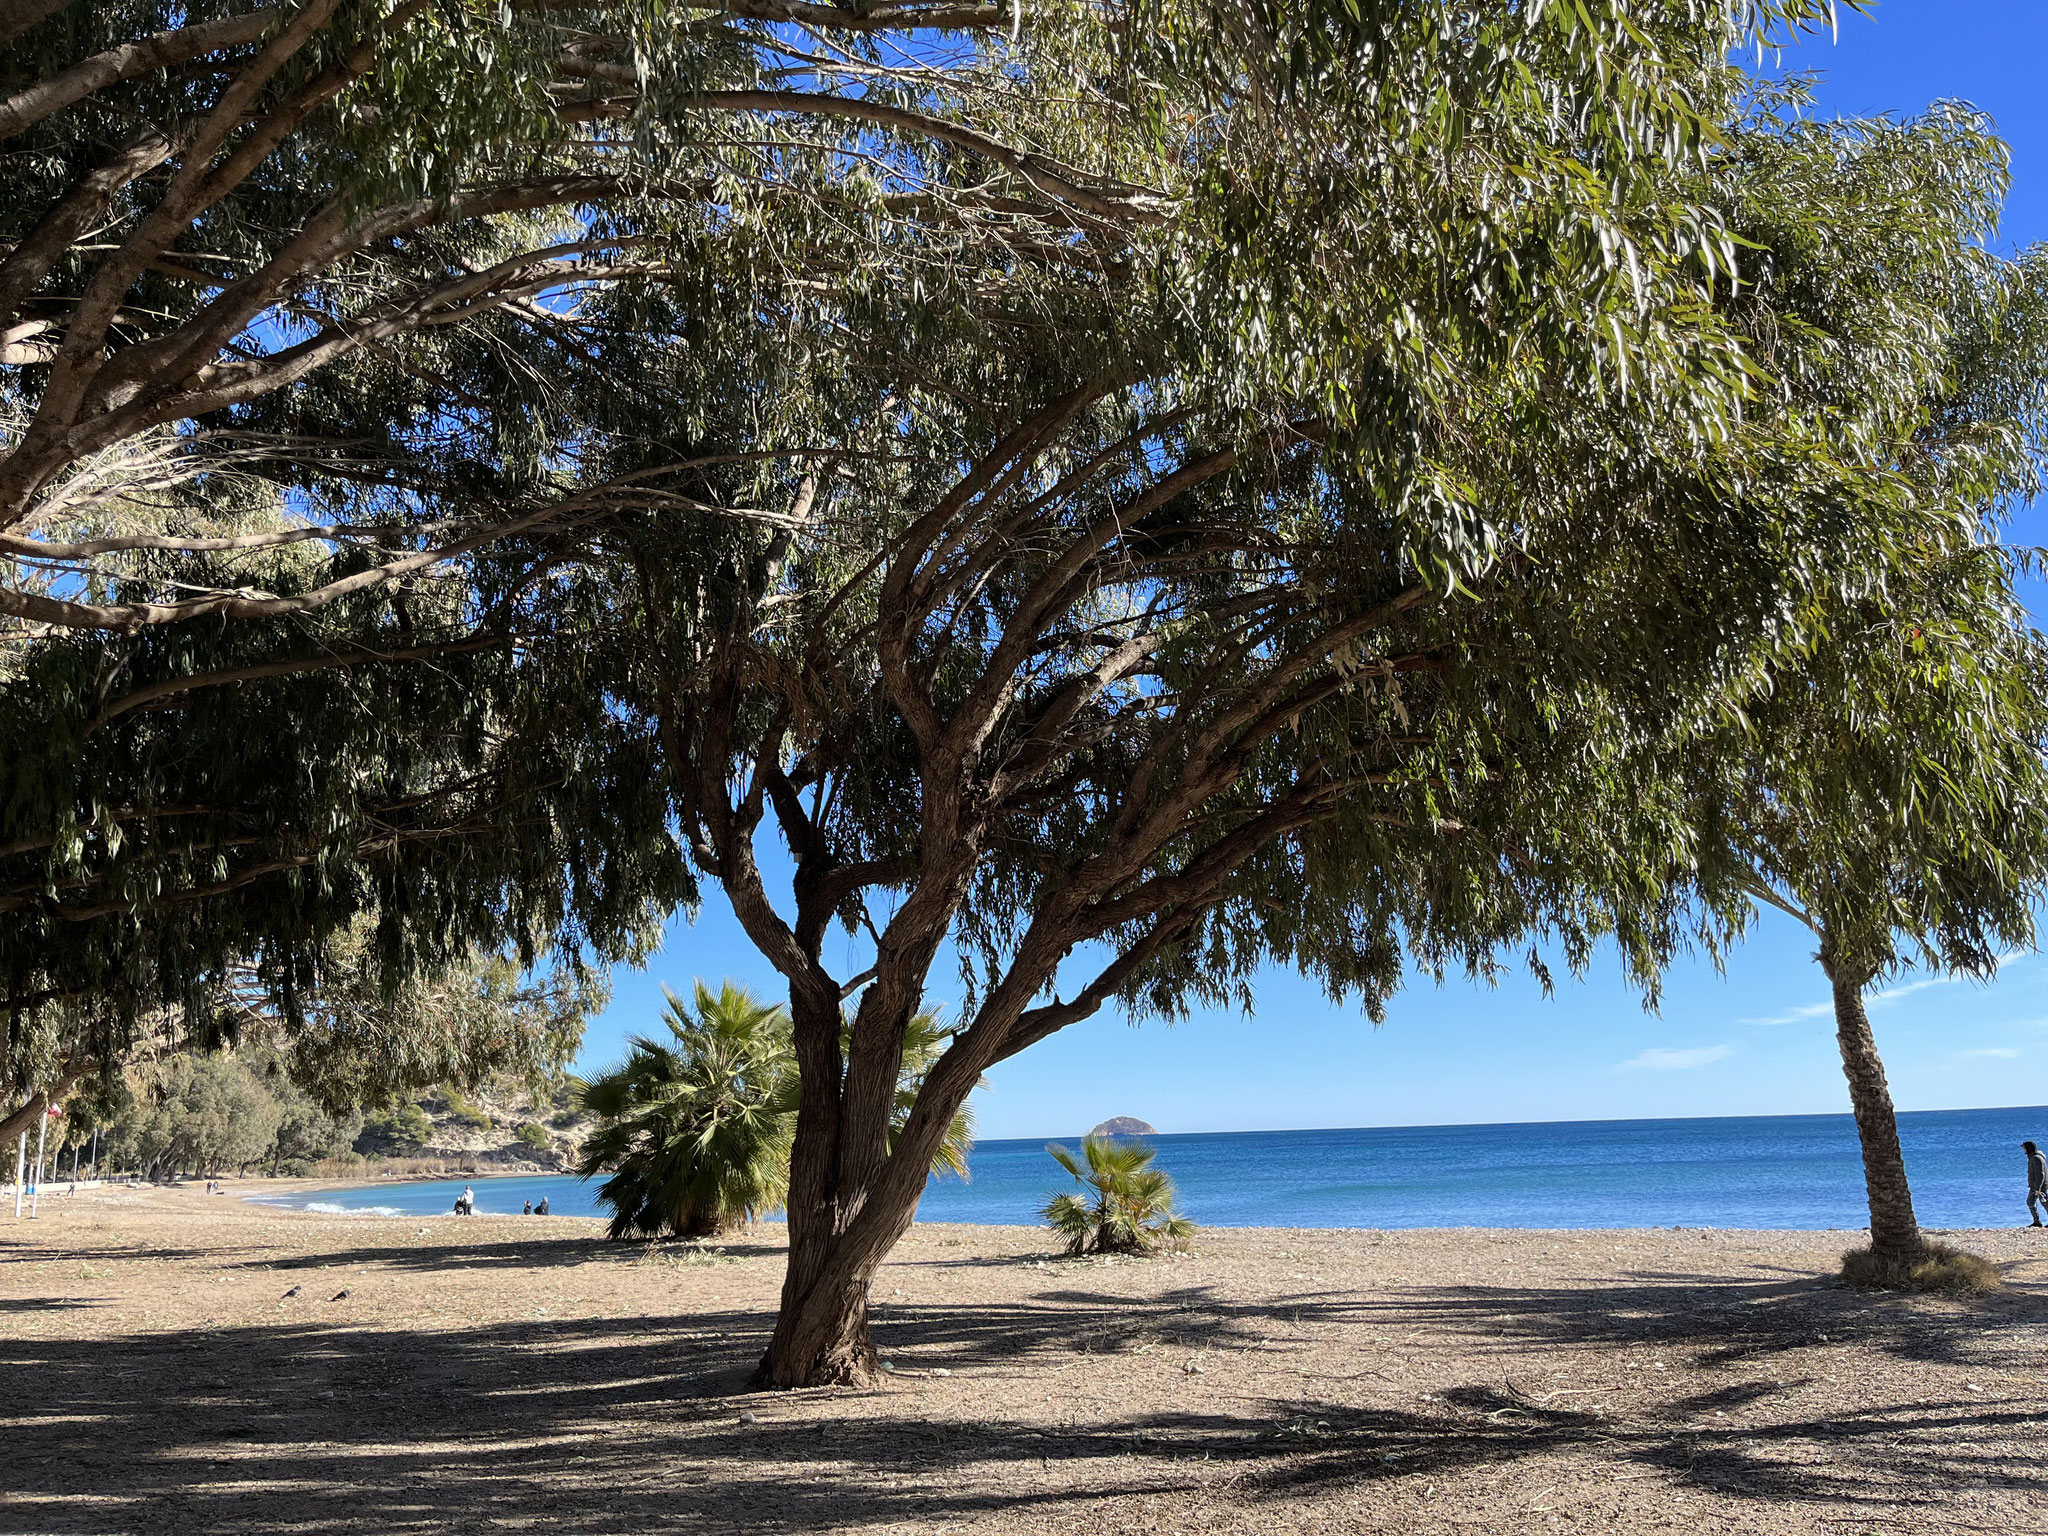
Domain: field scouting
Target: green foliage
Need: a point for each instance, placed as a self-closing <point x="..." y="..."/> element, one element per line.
<point x="218" y="1112"/>
<point x="531" y="1135"/>
<point x="461" y="1109"/>
<point x="1888" y="781"/>
<point x="405" y="1127"/>
<point x="694" y="1135"/>
<point x="1126" y="1205"/>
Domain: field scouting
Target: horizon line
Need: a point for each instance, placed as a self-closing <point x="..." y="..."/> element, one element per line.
<point x="1478" y="1125"/>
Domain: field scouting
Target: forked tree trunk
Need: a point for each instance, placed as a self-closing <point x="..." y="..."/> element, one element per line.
<point x="1894" y="1230"/>
<point x="851" y="1201"/>
<point x="821" y="1334"/>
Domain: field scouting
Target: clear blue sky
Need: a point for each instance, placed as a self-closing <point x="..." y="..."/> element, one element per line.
<point x="1757" y="1041"/>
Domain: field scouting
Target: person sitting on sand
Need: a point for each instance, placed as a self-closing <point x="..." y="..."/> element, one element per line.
<point x="2037" y="1182"/>
<point x="529" y="1209"/>
<point x="542" y="1208"/>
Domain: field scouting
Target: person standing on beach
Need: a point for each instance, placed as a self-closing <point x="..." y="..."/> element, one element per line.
<point x="2037" y="1182"/>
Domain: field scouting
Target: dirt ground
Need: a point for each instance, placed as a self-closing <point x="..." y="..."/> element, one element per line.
<point x="174" y="1362"/>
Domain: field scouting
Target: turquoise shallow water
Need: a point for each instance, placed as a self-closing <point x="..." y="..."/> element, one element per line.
<point x="1773" y="1171"/>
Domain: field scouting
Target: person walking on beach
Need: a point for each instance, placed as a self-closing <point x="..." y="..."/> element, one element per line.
<point x="2037" y="1182"/>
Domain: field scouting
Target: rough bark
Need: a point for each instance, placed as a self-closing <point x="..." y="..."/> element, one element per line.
<point x="1894" y="1230"/>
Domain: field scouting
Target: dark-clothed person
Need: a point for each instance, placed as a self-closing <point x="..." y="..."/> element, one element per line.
<point x="2037" y="1182"/>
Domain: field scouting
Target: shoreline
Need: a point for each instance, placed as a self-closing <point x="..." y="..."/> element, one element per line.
<point x="314" y="1187"/>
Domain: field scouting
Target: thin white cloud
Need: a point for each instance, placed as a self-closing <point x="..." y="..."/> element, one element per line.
<point x="1997" y="1052"/>
<point x="1893" y="994"/>
<point x="1658" y="1059"/>
<point x="1794" y="1015"/>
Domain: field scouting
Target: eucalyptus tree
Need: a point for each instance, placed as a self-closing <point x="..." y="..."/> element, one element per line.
<point x="283" y="290"/>
<point x="203" y="206"/>
<point x="1889" y="787"/>
<point x="1198" y="485"/>
<point x="1302" y="587"/>
<point x="1894" y="801"/>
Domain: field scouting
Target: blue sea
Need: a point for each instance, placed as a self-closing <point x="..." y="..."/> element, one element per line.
<point x="1799" y="1171"/>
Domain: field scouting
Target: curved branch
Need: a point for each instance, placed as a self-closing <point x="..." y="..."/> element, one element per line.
<point x="26" y="108"/>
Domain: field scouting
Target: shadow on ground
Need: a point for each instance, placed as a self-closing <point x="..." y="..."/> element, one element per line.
<point x="596" y="1425"/>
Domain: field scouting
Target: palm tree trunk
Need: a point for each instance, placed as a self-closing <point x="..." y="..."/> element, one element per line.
<point x="1894" y="1230"/>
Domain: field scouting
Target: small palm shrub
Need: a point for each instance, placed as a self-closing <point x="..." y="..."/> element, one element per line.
<point x="1126" y="1205"/>
<point x="694" y="1133"/>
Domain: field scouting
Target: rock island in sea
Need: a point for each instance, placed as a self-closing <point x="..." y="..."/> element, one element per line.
<point x="1123" y="1125"/>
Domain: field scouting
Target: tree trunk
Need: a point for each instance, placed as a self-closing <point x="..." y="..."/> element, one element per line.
<point x="821" y="1339"/>
<point x="821" y="1332"/>
<point x="1894" y="1231"/>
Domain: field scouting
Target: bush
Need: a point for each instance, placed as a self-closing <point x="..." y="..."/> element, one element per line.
<point x="1132" y="1209"/>
<point x="461" y="1109"/>
<point x="407" y="1126"/>
<point x="1937" y="1267"/>
<point x="531" y="1135"/>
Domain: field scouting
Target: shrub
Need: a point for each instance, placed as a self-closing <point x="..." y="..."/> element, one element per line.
<point x="1132" y="1206"/>
<point x="531" y="1135"/>
<point x="694" y="1132"/>
<point x="461" y="1109"/>
<point x="407" y="1126"/>
<point x="1937" y="1267"/>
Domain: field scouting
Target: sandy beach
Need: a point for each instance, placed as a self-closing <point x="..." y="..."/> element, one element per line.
<point x="176" y="1362"/>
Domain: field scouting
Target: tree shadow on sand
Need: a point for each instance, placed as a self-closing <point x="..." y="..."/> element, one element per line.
<point x="603" y="1425"/>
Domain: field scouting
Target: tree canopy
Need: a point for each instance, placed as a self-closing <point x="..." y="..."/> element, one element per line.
<point x="1180" y="488"/>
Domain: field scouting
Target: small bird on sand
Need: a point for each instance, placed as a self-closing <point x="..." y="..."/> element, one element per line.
<point x="288" y="1295"/>
<point x="339" y="1296"/>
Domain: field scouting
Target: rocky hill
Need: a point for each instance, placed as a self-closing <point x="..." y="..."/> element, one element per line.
<point x="1123" y="1125"/>
<point x="508" y="1128"/>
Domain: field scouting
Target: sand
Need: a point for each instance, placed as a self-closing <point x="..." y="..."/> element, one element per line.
<point x="518" y="1374"/>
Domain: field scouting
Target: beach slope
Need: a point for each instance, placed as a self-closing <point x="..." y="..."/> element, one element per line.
<point x="180" y="1362"/>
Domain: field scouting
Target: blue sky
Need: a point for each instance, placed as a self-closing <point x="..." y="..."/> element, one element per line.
<point x="1756" y="1041"/>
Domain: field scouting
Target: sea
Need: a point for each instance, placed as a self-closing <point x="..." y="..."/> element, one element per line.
<point x="1785" y="1171"/>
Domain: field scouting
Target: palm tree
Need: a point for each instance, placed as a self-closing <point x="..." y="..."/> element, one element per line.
<point x="1132" y="1209"/>
<point x="695" y="1135"/>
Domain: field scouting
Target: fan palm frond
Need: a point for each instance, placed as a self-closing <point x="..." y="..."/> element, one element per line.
<point x="1132" y="1206"/>
<point x="694" y="1132"/>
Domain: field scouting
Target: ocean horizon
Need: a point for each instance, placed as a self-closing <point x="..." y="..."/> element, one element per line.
<point x="1796" y="1172"/>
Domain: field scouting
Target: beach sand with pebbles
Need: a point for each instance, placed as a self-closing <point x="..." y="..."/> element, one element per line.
<point x="176" y="1362"/>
